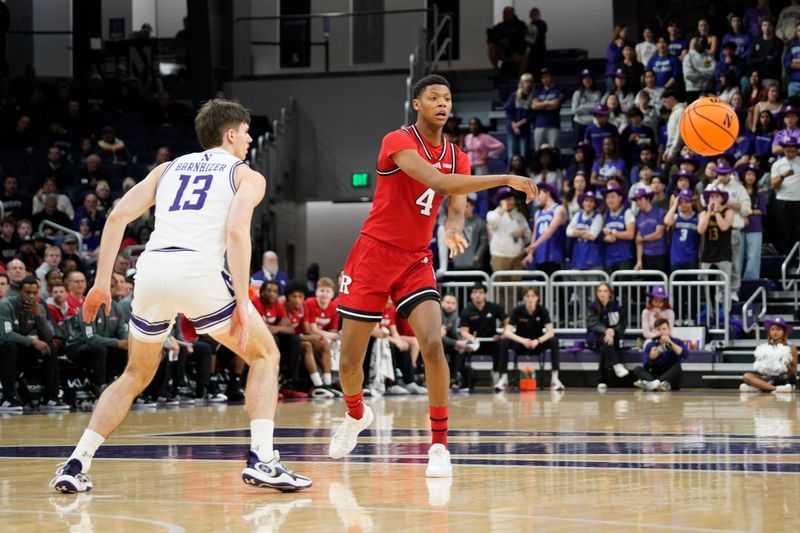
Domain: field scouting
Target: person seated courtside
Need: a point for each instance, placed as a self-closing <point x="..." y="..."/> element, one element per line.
<point x="480" y="320"/>
<point x="455" y="347"/>
<point x="606" y="322"/>
<point x="529" y="331"/>
<point x="661" y="360"/>
<point x="775" y="364"/>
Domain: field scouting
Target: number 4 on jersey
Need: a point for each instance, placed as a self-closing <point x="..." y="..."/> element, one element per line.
<point x="426" y="202"/>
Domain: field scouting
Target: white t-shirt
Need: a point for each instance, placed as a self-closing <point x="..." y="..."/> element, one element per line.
<point x="645" y="51"/>
<point x="789" y="189"/>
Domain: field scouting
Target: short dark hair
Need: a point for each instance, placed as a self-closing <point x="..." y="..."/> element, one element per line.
<point x="215" y="117"/>
<point x="295" y="286"/>
<point x="660" y="322"/>
<point x="531" y="288"/>
<point x="423" y="83"/>
<point x="478" y="286"/>
<point x="269" y="282"/>
<point x="450" y="294"/>
<point x="4" y="275"/>
<point x="28" y="280"/>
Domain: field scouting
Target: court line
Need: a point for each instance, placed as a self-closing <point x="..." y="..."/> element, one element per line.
<point x="172" y="528"/>
<point x="669" y="527"/>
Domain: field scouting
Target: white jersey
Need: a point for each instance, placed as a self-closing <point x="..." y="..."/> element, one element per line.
<point x="193" y="199"/>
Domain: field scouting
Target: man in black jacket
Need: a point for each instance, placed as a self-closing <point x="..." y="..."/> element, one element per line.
<point x="454" y="345"/>
<point x="766" y="54"/>
<point x="26" y="338"/>
<point x="478" y="326"/>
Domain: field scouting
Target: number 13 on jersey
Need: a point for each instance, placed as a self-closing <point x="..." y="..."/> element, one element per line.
<point x="425" y="201"/>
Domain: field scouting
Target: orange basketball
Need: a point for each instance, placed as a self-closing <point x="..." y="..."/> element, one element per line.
<point x="709" y="126"/>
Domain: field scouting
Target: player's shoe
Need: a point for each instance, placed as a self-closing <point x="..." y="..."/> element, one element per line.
<point x="414" y="388"/>
<point x="439" y="462"/>
<point x="620" y="370"/>
<point x="272" y="475"/>
<point x="54" y="405"/>
<point x="744" y="387"/>
<point x="69" y="478"/>
<point x="10" y="405"/>
<point x="397" y="390"/>
<point x="346" y="436"/>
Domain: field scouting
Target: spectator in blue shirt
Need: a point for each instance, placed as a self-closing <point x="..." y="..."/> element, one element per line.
<point x="661" y="360"/>
<point x="740" y="39"/>
<point x="518" y="117"/>
<point x="678" y="46"/>
<point x="614" y="50"/>
<point x="728" y="62"/>
<point x="635" y="136"/>
<point x="651" y="237"/>
<point x="547" y="108"/>
<point x="791" y="61"/>
<point x="609" y="163"/>
<point x="753" y="17"/>
<point x="667" y="68"/>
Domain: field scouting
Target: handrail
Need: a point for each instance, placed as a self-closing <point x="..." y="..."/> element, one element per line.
<point x="59" y="227"/>
<point x="746" y="307"/>
<point x="337" y="14"/>
<point x="785" y="266"/>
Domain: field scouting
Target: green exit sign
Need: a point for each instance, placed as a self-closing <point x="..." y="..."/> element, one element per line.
<point x="360" y="180"/>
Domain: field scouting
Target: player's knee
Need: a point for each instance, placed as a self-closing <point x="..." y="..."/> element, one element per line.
<point x="349" y="365"/>
<point x="431" y="348"/>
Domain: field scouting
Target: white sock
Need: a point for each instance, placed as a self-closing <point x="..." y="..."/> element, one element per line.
<point x="86" y="448"/>
<point x="326" y="378"/>
<point x="554" y="375"/>
<point x="316" y="380"/>
<point x="261" y="438"/>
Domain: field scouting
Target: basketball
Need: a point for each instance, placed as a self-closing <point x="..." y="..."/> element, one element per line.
<point x="709" y="126"/>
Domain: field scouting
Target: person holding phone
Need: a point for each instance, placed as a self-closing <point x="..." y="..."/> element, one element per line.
<point x="785" y="180"/>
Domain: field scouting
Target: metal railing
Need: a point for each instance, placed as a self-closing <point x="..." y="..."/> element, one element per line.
<point x="786" y="282"/>
<point x="705" y="309"/>
<point x="58" y="227"/>
<point x="570" y="293"/>
<point x="508" y="293"/>
<point x="460" y="282"/>
<point x="747" y="325"/>
<point x="630" y="291"/>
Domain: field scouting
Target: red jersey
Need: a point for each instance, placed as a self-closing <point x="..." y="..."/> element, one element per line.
<point x="326" y="319"/>
<point x="272" y="314"/>
<point x="389" y="317"/>
<point x="403" y="209"/>
<point x="296" y="318"/>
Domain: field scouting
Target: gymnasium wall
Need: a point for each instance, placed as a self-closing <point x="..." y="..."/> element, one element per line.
<point x="51" y="55"/>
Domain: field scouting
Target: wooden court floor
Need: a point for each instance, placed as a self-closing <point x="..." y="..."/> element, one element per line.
<point x="578" y="461"/>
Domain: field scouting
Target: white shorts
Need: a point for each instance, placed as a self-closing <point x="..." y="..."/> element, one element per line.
<point x="168" y="283"/>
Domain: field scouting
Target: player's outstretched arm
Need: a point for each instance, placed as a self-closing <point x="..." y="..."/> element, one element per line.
<point x="454" y="225"/>
<point x="249" y="193"/>
<point x="412" y="164"/>
<point x="131" y="206"/>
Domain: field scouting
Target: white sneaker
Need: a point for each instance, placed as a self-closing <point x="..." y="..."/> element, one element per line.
<point x="639" y="384"/>
<point x="502" y="383"/>
<point x="396" y="390"/>
<point x="744" y="387"/>
<point x="784" y="388"/>
<point x="665" y="386"/>
<point x="495" y="377"/>
<point x="413" y="388"/>
<point x="346" y="436"/>
<point x="439" y="490"/>
<point x="439" y="462"/>
<point x="556" y="384"/>
<point x="651" y="385"/>
<point x="620" y="370"/>
<point x="602" y="387"/>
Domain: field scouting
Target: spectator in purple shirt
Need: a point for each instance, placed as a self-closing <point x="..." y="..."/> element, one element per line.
<point x="677" y="45"/>
<point x="752" y="233"/>
<point x="728" y="62"/>
<point x="753" y="16"/>
<point x="791" y="130"/>
<point x="614" y="50"/>
<point x="600" y="129"/>
<point x="547" y="107"/>
<point x="609" y="163"/>
<point x="741" y="39"/>
<point x="651" y="235"/>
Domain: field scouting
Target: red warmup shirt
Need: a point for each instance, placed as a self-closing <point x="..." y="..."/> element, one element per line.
<point x="404" y="328"/>
<point x="296" y="318"/>
<point x="404" y="210"/>
<point x="272" y="314"/>
<point x="326" y="319"/>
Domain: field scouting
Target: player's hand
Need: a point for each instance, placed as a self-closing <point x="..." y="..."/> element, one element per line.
<point x="455" y="241"/>
<point x="97" y="296"/>
<point x="240" y="324"/>
<point x="41" y="347"/>
<point x="525" y="185"/>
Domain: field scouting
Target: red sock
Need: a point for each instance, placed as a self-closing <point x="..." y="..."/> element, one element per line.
<point x="355" y="405"/>
<point x="439" y="425"/>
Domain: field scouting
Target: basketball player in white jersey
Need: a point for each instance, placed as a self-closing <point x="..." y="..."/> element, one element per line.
<point x="204" y="203"/>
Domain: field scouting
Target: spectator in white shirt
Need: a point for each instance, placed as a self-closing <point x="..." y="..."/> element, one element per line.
<point x="647" y="48"/>
<point x="509" y="232"/>
<point x="785" y="180"/>
<point x="672" y="102"/>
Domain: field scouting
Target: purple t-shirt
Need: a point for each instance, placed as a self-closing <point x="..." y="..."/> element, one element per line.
<point x="647" y="223"/>
<point x="754" y="224"/>
<point x="548" y="118"/>
<point x="785" y="134"/>
<point x="609" y="168"/>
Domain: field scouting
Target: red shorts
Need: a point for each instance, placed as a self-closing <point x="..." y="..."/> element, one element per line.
<point x="375" y="271"/>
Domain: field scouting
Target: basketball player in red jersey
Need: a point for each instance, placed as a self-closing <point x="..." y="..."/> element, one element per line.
<point x="417" y="168"/>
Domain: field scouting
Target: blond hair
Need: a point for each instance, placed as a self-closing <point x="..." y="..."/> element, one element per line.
<point x="520" y="91"/>
<point x="325" y="282"/>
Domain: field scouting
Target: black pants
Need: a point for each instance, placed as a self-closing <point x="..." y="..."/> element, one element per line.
<point x="159" y="386"/>
<point x="457" y="362"/>
<point x="202" y="352"/>
<point x="289" y="346"/>
<point x="609" y="356"/>
<point x="518" y="349"/>
<point x="402" y="360"/>
<point x="656" y="262"/>
<point x="650" y="372"/>
<point x="15" y="357"/>
<point x="548" y="268"/>
<point x="96" y="358"/>
<point x="787" y="227"/>
<point x="624" y="265"/>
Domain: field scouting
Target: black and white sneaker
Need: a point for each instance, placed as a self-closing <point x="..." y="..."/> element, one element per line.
<point x="144" y="402"/>
<point x="54" y="405"/>
<point x="10" y="405"/>
<point x="168" y="401"/>
<point x="273" y="475"/>
<point x="69" y="478"/>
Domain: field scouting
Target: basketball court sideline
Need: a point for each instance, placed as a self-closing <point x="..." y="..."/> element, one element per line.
<point x="680" y="461"/>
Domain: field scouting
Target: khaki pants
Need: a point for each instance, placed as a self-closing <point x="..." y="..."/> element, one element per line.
<point x="506" y="263"/>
